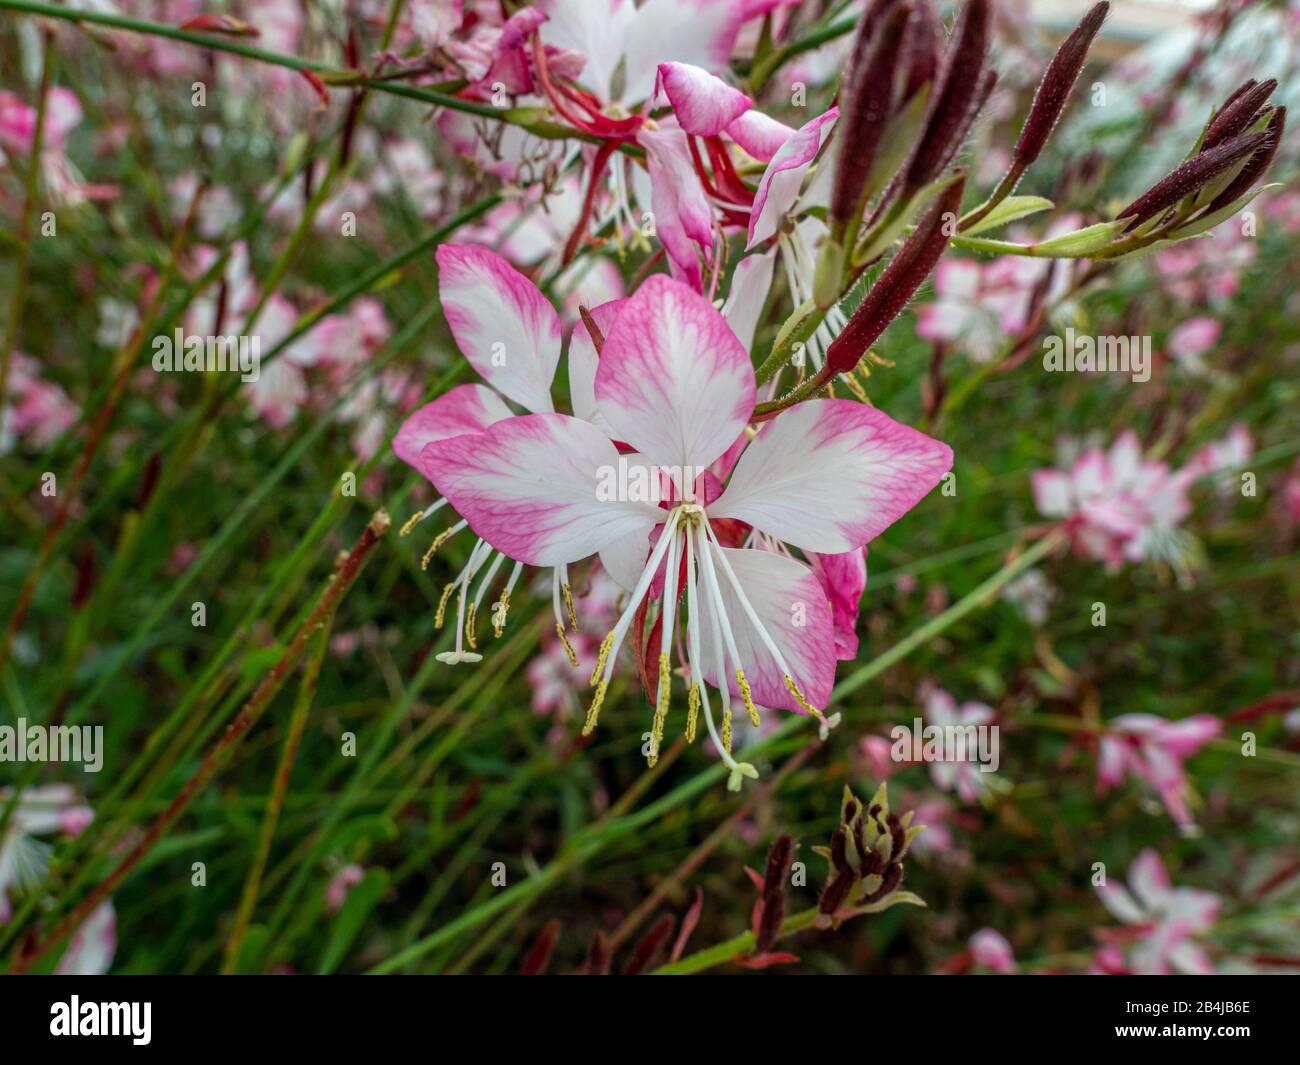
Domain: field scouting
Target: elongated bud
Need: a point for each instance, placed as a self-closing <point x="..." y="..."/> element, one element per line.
<point x="1190" y="176"/>
<point x="597" y="963"/>
<point x="539" y="954"/>
<point x="961" y="83"/>
<point x="866" y="106"/>
<point x="1054" y="90"/>
<point x="1237" y="115"/>
<point x="1258" y="164"/>
<point x="898" y="284"/>
<point x="645" y="952"/>
<point x="981" y="97"/>
<point x="921" y="43"/>
<point x="836" y="892"/>
<point x="778" y="863"/>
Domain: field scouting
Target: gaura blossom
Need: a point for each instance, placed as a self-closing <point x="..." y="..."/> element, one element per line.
<point x="1164" y="920"/>
<point x="1152" y="749"/>
<point x="1191" y="339"/>
<point x="512" y="336"/>
<point x="1117" y="505"/>
<point x="675" y="388"/>
<point x="91" y="949"/>
<point x="40" y="811"/>
<point x="965" y="777"/>
<point x="989" y="949"/>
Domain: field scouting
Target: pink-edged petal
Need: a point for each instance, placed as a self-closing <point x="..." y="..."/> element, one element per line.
<point x="583" y="361"/>
<point x="674" y="382"/>
<point x="750" y="284"/>
<point x="701" y="32"/>
<point x="1190" y="958"/>
<point x="831" y="474"/>
<point x="531" y="487"/>
<point x="843" y="578"/>
<point x="1149" y="879"/>
<point x="501" y="321"/>
<point x="779" y="187"/>
<point x="703" y="103"/>
<point x="1112" y="757"/>
<point x="1186" y="737"/>
<point x="683" y="216"/>
<point x="789" y="601"/>
<point x="759" y="134"/>
<point x="463" y="409"/>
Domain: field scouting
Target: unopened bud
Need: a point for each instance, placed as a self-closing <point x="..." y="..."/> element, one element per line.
<point x="1237" y="115"/>
<point x="955" y="101"/>
<point x="1197" y="172"/>
<point x="866" y="104"/>
<point x="905" y="274"/>
<point x="1257" y="165"/>
<point x="1054" y="89"/>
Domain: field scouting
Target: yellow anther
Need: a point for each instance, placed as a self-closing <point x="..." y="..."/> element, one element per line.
<point x="568" y="647"/>
<point x="879" y="360"/>
<point x="438" y="541"/>
<point x="726" y="729"/>
<point x="854" y="386"/>
<point x="747" y="697"/>
<point x="499" y="610"/>
<point x="601" y="655"/>
<point x="442" y="605"/>
<point x="567" y="595"/>
<point x="593" y="714"/>
<point x="802" y="699"/>
<point x="411" y="523"/>
<point x="692" y="712"/>
<point x="470" y="617"/>
<point x="661" y="709"/>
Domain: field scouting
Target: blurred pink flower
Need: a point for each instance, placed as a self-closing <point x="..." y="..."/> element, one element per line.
<point x="1152" y="749"/>
<point x="342" y="882"/>
<point x="1117" y="506"/>
<point x="1164" y="918"/>
<point x="965" y="777"/>
<point x="1191" y="340"/>
<point x="989" y="949"/>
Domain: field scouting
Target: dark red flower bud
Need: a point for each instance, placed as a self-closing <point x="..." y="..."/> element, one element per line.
<point x="839" y="851"/>
<point x="539" y="954"/>
<point x="1054" y="89"/>
<point x="836" y="892"/>
<point x="1259" y="162"/>
<point x="1190" y="176"/>
<point x="778" y="861"/>
<point x="866" y="105"/>
<point x="890" y="879"/>
<point x="898" y="284"/>
<point x="951" y="108"/>
<point x="645" y="952"/>
<point x="597" y="963"/>
<point x="921" y="43"/>
<point x="1239" y="114"/>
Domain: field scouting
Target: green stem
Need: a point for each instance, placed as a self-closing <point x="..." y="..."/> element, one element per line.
<point x="729" y="950"/>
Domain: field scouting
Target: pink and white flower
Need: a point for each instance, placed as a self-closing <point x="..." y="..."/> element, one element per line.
<point x="40" y="811"/>
<point x="1117" y="506"/>
<point x="675" y="386"/>
<point x="512" y="336"/>
<point x="989" y="949"/>
<point x="1165" y="919"/>
<point x="965" y="777"/>
<point x="1152" y="749"/>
